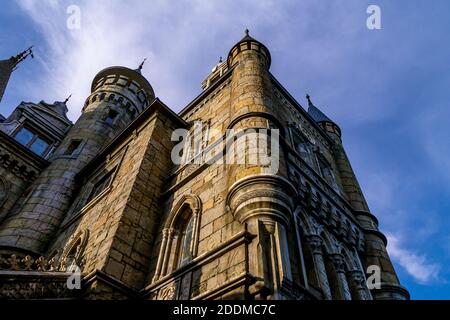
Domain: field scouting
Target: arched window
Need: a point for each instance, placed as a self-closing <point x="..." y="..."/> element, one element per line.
<point x="302" y="146"/>
<point x="185" y="244"/>
<point x="179" y="240"/>
<point x="326" y="172"/>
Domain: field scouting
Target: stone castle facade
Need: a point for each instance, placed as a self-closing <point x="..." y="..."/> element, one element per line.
<point x="102" y="197"/>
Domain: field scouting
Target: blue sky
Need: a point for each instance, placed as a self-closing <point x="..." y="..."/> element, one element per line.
<point x="388" y="89"/>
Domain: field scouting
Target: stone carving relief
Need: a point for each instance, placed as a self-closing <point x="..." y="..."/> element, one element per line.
<point x="4" y="190"/>
<point x="167" y="293"/>
<point x="72" y="254"/>
<point x="17" y="168"/>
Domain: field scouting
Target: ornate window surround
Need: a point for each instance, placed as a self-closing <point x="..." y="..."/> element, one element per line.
<point x="170" y="244"/>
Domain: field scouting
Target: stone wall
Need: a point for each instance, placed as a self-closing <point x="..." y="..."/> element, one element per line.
<point x="19" y="167"/>
<point x="121" y="219"/>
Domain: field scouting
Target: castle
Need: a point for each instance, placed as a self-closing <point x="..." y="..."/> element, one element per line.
<point x="104" y="199"/>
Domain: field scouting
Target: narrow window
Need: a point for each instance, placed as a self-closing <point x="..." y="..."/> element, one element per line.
<point x="302" y="148"/>
<point x="185" y="253"/>
<point x="327" y="173"/>
<point x="112" y="114"/>
<point x="100" y="186"/>
<point x="73" y="146"/>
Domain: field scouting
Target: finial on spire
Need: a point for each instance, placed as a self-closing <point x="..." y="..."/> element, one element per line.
<point x="67" y="99"/>
<point x="142" y="64"/>
<point x="309" y="99"/>
<point x="247" y="32"/>
<point x="22" y="56"/>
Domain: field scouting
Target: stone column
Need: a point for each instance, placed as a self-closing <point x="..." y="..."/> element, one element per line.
<point x="194" y="242"/>
<point x="339" y="265"/>
<point x="161" y="255"/>
<point x="167" y="252"/>
<point x="315" y="244"/>
<point x="359" y="286"/>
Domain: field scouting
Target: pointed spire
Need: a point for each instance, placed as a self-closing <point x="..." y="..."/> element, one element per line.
<point x="67" y="99"/>
<point x="22" y="56"/>
<point x="315" y="113"/>
<point x="139" y="69"/>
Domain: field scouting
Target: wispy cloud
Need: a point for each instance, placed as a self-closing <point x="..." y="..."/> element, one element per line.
<point x="416" y="265"/>
<point x="390" y="103"/>
<point x="181" y="39"/>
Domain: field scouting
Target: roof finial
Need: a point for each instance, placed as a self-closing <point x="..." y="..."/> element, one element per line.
<point x="142" y="64"/>
<point x="309" y="100"/>
<point x="22" y="56"/>
<point x="247" y="32"/>
<point x="220" y="59"/>
<point x="67" y="99"/>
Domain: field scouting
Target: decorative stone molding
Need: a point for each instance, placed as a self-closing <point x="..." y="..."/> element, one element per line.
<point x="171" y="232"/>
<point x="4" y="191"/>
<point x="338" y="262"/>
<point x="18" y="168"/>
<point x="315" y="243"/>
<point x="74" y="249"/>
<point x="35" y="285"/>
<point x="358" y="282"/>
<point x="15" y="263"/>
<point x="261" y="195"/>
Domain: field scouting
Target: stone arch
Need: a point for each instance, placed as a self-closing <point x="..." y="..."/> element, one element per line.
<point x="331" y="245"/>
<point x="74" y="249"/>
<point x="187" y="209"/>
<point x="351" y="263"/>
<point x="191" y="200"/>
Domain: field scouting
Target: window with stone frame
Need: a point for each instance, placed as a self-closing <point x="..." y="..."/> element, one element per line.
<point x="33" y="141"/>
<point x="73" y="147"/>
<point x="111" y="116"/>
<point x="185" y="242"/>
<point x="196" y="142"/>
<point x="100" y="185"/>
<point x="326" y="171"/>
<point x="302" y="146"/>
<point x="179" y="242"/>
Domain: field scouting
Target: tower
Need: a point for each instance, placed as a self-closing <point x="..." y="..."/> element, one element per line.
<point x="260" y="196"/>
<point x="118" y="95"/>
<point x="375" y="241"/>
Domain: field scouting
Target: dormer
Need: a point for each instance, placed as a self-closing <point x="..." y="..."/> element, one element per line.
<point x="216" y="72"/>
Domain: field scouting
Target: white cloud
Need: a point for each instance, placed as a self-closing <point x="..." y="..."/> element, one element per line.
<point x="182" y="41"/>
<point x="416" y="265"/>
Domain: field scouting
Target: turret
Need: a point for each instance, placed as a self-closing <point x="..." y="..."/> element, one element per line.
<point x="259" y="196"/>
<point x="375" y="241"/>
<point x="118" y="95"/>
